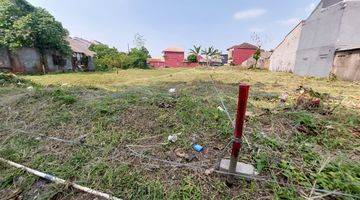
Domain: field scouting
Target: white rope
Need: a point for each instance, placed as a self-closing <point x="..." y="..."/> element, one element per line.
<point x="59" y="180"/>
<point x="226" y="110"/>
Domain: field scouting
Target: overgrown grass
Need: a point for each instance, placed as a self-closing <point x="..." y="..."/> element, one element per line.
<point x="289" y="144"/>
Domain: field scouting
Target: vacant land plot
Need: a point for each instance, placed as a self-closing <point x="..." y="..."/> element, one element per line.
<point x="115" y="132"/>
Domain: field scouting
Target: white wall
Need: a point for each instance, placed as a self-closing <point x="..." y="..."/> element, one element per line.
<point x="318" y="40"/>
<point x="283" y="57"/>
<point x="349" y="35"/>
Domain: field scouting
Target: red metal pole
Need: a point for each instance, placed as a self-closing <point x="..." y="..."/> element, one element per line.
<point x="239" y="125"/>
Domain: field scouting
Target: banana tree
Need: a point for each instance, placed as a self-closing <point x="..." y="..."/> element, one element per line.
<point x="209" y="54"/>
<point x="196" y="50"/>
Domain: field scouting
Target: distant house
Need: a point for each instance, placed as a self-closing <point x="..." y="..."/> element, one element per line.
<point x="214" y="61"/>
<point x="224" y="59"/>
<point x="328" y="42"/>
<point x="82" y="57"/>
<point x="28" y="60"/>
<point x="240" y="53"/>
<point x="156" y="62"/>
<point x="174" y="57"/>
<point x="284" y="55"/>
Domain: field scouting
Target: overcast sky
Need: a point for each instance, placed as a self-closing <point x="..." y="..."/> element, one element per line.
<point x="181" y="23"/>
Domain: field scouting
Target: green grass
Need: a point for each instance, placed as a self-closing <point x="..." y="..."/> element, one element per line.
<point x="288" y="143"/>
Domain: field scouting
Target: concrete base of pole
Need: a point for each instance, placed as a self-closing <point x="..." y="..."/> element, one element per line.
<point x="241" y="168"/>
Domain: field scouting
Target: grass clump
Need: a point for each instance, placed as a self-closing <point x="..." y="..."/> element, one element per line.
<point x="12" y="79"/>
<point x="63" y="97"/>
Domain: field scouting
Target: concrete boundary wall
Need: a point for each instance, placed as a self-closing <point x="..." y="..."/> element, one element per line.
<point x="28" y="60"/>
<point x="318" y="40"/>
<point x="284" y="56"/>
<point x="4" y="60"/>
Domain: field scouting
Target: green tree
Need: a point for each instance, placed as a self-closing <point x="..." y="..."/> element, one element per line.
<point x="106" y="57"/>
<point x="10" y="11"/>
<point x="257" y="56"/>
<point x="138" y="58"/>
<point x="23" y="25"/>
<point x="103" y="50"/>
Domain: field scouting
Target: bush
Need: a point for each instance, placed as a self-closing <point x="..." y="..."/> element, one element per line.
<point x="137" y="58"/>
<point x="63" y="97"/>
<point x="192" y="58"/>
<point x="107" y="58"/>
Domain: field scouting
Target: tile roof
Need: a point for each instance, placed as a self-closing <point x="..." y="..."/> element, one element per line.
<point x="244" y="46"/>
<point x="156" y="59"/>
<point x="80" y="45"/>
<point x="174" y="49"/>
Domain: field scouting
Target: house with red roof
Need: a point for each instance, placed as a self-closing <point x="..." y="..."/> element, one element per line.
<point x="240" y="53"/>
<point x="172" y="57"/>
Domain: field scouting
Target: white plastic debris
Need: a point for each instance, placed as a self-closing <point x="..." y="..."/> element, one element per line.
<point x="284" y="97"/>
<point x="30" y="88"/>
<point x="64" y="84"/>
<point x="172" y="90"/>
<point x="221" y="109"/>
<point x="172" y="138"/>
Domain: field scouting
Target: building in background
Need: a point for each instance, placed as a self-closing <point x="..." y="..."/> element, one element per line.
<point x="157" y="62"/>
<point x="82" y="57"/>
<point x="174" y="57"/>
<point x="239" y="53"/>
<point x="224" y="59"/>
<point x="329" y="42"/>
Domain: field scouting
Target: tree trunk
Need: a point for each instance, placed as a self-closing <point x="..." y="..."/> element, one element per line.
<point x="256" y="62"/>
<point x="43" y="61"/>
<point x="14" y="62"/>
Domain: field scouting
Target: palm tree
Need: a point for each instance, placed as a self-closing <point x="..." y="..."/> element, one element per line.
<point x="196" y="50"/>
<point x="209" y="53"/>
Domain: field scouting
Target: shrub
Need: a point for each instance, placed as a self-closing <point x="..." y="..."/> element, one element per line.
<point x="107" y="58"/>
<point x="192" y="58"/>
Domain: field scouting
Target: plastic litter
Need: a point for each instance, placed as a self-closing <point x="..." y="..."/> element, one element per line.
<point x="172" y="90"/>
<point x="197" y="147"/>
<point x="284" y="97"/>
<point x="30" y="88"/>
<point x="221" y="109"/>
<point x="172" y="138"/>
